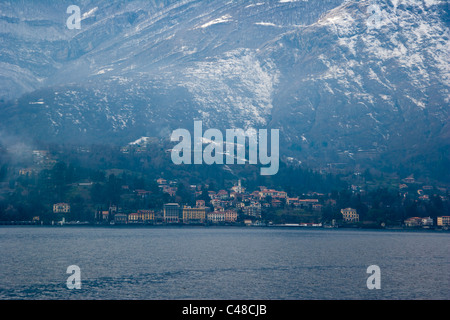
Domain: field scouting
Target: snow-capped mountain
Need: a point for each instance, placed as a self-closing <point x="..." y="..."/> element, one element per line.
<point x="342" y="80"/>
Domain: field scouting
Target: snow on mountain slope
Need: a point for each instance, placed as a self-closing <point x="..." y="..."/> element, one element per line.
<point x="342" y="80"/>
<point x="364" y="88"/>
<point x="236" y="86"/>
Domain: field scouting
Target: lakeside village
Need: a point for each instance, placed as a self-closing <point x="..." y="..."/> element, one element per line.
<point x="60" y="194"/>
<point x="237" y="207"/>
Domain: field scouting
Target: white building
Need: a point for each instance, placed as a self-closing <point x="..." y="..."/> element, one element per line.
<point x="216" y="217"/>
<point x="427" y="222"/>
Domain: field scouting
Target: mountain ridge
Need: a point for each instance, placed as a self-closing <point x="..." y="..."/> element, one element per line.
<point x="344" y="81"/>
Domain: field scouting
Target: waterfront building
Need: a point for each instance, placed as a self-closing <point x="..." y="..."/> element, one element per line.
<point x="172" y="213"/>
<point x="145" y="216"/>
<point x="101" y="216"/>
<point x="120" y="218"/>
<point x="194" y="215"/>
<point x="350" y="215"/>
<point x="248" y="222"/>
<point x="427" y="222"/>
<point x="61" y="208"/>
<point x="253" y="210"/>
<point x="216" y="217"/>
<point x="105" y="215"/>
<point x="443" y="221"/>
<point x="133" y="217"/>
<point x="413" y="222"/>
<point x="230" y="216"/>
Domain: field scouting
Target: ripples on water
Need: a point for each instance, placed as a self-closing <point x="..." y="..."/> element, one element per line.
<point x="222" y="263"/>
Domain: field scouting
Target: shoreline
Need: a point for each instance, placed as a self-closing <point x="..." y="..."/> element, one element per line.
<point x="222" y="226"/>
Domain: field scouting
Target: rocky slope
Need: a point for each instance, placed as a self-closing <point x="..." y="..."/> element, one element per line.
<point x="344" y="81"/>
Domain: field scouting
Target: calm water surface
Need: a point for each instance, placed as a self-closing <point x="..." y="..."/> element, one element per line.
<point x="222" y="263"/>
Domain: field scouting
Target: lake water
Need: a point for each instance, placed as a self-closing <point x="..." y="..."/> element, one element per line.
<point x="222" y="263"/>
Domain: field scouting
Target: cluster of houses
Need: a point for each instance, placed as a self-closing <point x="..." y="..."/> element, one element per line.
<point x="226" y="206"/>
<point x="250" y="203"/>
<point x="350" y="215"/>
<point x="423" y="192"/>
<point x="169" y="187"/>
<point x="223" y="207"/>
<point x="172" y="213"/>
<point x="427" y="222"/>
